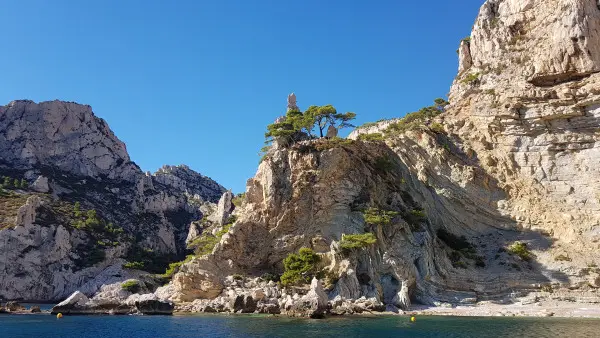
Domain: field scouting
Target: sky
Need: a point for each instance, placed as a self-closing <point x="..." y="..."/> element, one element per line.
<point x="196" y="82"/>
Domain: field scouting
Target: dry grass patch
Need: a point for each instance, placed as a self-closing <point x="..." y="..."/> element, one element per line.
<point x="9" y="206"/>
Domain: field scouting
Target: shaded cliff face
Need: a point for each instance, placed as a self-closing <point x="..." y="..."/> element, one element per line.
<point x="67" y="156"/>
<point x="515" y="161"/>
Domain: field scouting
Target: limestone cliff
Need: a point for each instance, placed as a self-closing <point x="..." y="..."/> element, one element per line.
<point x="62" y="155"/>
<point x="504" y="184"/>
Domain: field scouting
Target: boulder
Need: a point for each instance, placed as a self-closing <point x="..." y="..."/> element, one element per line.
<point x="313" y="304"/>
<point x="14" y="307"/>
<point x="74" y="303"/>
<point x="154" y="307"/>
<point x="331" y="132"/>
<point x="41" y="184"/>
<point x="35" y="309"/>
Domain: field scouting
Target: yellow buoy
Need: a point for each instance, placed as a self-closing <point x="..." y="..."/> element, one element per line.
<point x="413" y="319"/>
<point x="59" y="315"/>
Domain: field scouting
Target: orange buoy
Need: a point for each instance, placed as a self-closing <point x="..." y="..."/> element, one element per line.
<point x="413" y="319"/>
<point x="59" y="315"/>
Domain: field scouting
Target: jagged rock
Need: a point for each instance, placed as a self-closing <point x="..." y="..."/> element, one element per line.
<point x="313" y="304"/>
<point x="72" y="304"/>
<point x="41" y="184"/>
<point x="14" y="307"/>
<point x="27" y="213"/>
<point x="224" y="209"/>
<point x="35" y="309"/>
<point x="65" y="150"/>
<point x="111" y="300"/>
<point x="331" y="132"/>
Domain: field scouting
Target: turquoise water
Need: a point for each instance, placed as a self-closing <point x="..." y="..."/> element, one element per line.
<point x="48" y="326"/>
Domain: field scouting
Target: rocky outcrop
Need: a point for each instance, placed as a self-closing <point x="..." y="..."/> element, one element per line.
<point x="224" y="209"/>
<point x="115" y="299"/>
<point x="64" y="135"/>
<point x="255" y="295"/>
<point x="512" y="164"/>
<point x="313" y="304"/>
<point x="63" y="155"/>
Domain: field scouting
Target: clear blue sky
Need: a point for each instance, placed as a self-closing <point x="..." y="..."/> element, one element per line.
<point x="196" y="82"/>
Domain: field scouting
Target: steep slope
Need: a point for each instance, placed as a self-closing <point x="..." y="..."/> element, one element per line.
<point x="88" y="208"/>
<point x="504" y="182"/>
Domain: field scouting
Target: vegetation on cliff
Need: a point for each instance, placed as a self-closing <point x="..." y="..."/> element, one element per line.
<point x="300" y="268"/>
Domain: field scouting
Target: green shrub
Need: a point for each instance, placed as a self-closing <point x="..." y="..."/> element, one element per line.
<point x="416" y="120"/>
<point x="357" y="241"/>
<point x="415" y="218"/>
<point x="174" y="267"/>
<point x="562" y="258"/>
<point x="437" y="128"/>
<point x="547" y="288"/>
<point x="238" y="200"/>
<point x="383" y="164"/>
<point x="472" y="78"/>
<point x="375" y="137"/>
<point x="205" y="244"/>
<point x="134" y="265"/>
<point x="326" y="144"/>
<point x="376" y="216"/>
<point x="132" y="286"/>
<point x="300" y="268"/>
<point x="453" y="241"/>
<point x="237" y="276"/>
<point x="520" y="249"/>
<point x="268" y="277"/>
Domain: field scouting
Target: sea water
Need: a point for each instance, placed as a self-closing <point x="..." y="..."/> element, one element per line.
<point x="48" y="326"/>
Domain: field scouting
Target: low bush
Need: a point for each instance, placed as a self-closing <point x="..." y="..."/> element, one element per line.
<point x="437" y="128"/>
<point x="357" y="241"/>
<point x="300" y="268"/>
<point x="520" y="249"/>
<point x="132" y="286"/>
<point x="174" y="267"/>
<point x="453" y="241"/>
<point x="270" y="277"/>
<point x="375" y="137"/>
<point x="325" y="144"/>
<point x="416" y="120"/>
<point x="376" y="216"/>
<point x="134" y="265"/>
<point x="205" y="244"/>
<point x="472" y="78"/>
<point x="562" y="258"/>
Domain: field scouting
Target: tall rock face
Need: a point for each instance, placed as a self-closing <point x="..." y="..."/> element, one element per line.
<point x="81" y="208"/>
<point x="529" y="107"/>
<point x="547" y="42"/>
<point x="63" y="135"/>
<point x="499" y="197"/>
